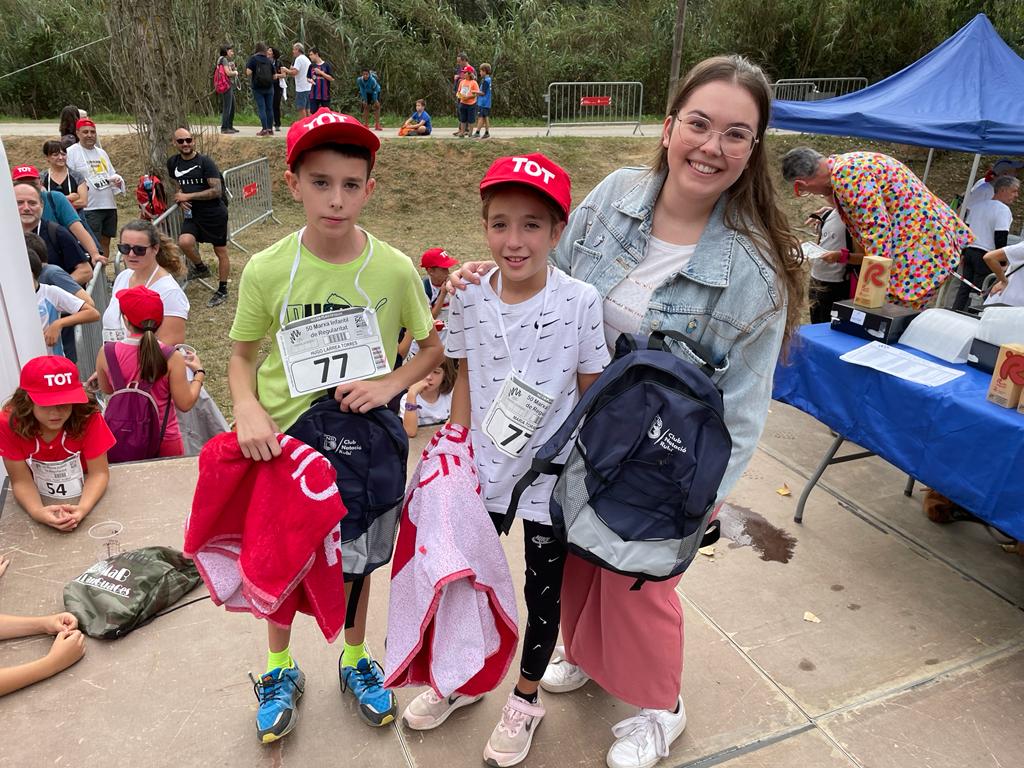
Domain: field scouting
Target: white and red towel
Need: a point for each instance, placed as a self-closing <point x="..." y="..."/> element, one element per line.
<point x="265" y="535"/>
<point x="452" y="622"/>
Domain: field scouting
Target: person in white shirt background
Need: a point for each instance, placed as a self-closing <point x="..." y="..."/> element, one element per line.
<point x="92" y="163"/>
<point x="982" y="189"/>
<point x="990" y="222"/>
<point x="429" y="401"/>
<point x="300" y="71"/>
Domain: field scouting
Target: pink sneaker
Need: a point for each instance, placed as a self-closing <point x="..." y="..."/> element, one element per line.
<point x="511" y="738"/>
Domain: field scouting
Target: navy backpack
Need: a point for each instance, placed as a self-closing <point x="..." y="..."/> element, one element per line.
<point x="369" y="453"/>
<point x="647" y="449"/>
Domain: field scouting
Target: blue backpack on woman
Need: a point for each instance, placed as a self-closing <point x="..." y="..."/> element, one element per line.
<point x="647" y="451"/>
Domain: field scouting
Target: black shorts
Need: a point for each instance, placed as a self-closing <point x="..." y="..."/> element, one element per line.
<point x="207" y="229"/>
<point x="467" y="113"/>
<point x="102" y="221"/>
<point x="315" y="104"/>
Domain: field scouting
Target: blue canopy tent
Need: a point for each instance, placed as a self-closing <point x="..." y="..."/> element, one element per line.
<point x="966" y="95"/>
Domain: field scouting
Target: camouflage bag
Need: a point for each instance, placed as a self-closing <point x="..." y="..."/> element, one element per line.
<point x="120" y="594"/>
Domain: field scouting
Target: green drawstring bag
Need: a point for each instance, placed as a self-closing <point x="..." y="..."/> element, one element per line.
<point x="120" y="594"/>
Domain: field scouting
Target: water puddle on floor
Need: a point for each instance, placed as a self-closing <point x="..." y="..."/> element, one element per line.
<point x="745" y="528"/>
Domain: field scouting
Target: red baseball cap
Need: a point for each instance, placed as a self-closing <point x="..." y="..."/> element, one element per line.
<point x="83" y="122"/>
<point x="437" y="257"/>
<point x="140" y="304"/>
<point x="536" y="171"/>
<point x="24" y="172"/>
<point x="325" y="126"/>
<point x="52" y="380"/>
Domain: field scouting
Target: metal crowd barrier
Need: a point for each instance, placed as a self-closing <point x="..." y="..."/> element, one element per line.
<point x="249" y="191"/>
<point x="89" y="337"/>
<point x="816" y="88"/>
<point x="576" y="104"/>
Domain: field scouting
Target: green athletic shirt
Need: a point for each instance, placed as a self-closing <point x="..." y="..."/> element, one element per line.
<point x="390" y="280"/>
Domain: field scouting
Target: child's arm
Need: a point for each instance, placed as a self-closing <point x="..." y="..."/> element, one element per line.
<point x="85" y="314"/>
<point x="28" y="498"/>
<point x="363" y="396"/>
<point x="185" y="393"/>
<point x="462" y="409"/>
<point x="95" y="486"/>
<point x="257" y="432"/>
<point x="68" y="647"/>
<point x="26" y="626"/>
<point x="584" y="380"/>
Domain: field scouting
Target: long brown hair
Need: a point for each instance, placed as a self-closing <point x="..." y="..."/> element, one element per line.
<point x="450" y="370"/>
<point x="753" y="208"/>
<point x="24" y="424"/>
<point x="167" y="257"/>
<point x="152" y="363"/>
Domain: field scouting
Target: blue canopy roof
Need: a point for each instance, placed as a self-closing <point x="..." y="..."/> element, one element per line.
<point x="967" y="95"/>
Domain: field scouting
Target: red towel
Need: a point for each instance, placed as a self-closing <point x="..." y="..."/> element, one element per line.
<point x="265" y="535"/>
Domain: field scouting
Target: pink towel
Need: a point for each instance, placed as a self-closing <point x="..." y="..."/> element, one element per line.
<point x="452" y="622"/>
<point x="266" y="536"/>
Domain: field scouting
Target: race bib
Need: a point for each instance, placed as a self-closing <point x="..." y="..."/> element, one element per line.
<point x="326" y="350"/>
<point x="61" y="480"/>
<point x="515" y="415"/>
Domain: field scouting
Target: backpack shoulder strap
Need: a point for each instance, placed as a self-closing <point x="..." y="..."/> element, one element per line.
<point x="537" y="468"/>
<point x="113" y="367"/>
<point x="657" y="342"/>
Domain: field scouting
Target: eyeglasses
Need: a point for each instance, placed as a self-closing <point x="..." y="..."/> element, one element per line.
<point x="59" y="152"/>
<point x="138" y="250"/>
<point x="184" y="141"/>
<point x="736" y="142"/>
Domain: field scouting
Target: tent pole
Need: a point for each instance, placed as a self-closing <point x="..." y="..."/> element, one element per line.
<point x="928" y="165"/>
<point x="970" y="183"/>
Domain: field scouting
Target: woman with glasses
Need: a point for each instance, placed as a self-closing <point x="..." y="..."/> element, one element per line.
<point x="58" y="178"/>
<point x="152" y="260"/>
<point x="698" y="245"/>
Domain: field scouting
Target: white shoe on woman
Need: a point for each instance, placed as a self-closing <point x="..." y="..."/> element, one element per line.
<point x="646" y="737"/>
<point x="561" y="676"/>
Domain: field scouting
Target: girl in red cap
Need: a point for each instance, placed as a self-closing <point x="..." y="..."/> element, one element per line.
<point x="142" y="357"/>
<point x="54" y="444"/>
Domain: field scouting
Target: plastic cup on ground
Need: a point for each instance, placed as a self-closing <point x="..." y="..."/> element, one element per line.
<point x="107" y="536"/>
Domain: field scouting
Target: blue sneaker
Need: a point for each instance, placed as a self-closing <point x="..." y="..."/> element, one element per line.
<point x="377" y="705"/>
<point x="277" y="691"/>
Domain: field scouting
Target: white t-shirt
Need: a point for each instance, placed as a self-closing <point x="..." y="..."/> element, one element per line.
<point x="95" y="167"/>
<point x="302" y="83"/>
<point x="553" y="335"/>
<point x="980" y="192"/>
<point x="1013" y="294"/>
<point x="626" y="303"/>
<point x="432" y="413"/>
<point x="986" y="218"/>
<point x="833" y="238"/>
<point x="175" y="301"/>
<point x="52" y="301"/>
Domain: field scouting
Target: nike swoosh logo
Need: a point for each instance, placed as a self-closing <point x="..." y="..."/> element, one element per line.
<point x="543" y="359"/>
<point x="179" y="174"/>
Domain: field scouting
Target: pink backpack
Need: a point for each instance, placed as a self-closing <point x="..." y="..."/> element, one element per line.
<point x="133" y="415"/>
<point x="221" y="81"/>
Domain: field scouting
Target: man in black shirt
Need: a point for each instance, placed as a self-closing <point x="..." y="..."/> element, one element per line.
<point x="205" y="215"/>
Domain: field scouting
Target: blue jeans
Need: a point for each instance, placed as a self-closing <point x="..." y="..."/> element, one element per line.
<point x="265" y="107"/>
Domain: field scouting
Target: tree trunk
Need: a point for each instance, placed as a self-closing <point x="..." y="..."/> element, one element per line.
<point x="677" y="51"/>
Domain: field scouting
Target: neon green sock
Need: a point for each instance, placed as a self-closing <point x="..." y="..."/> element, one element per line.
<point x="277" y="659"/>
<point x="351" y="654"/>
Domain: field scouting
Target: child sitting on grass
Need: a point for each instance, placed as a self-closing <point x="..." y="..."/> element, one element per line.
<point x="52" y="422"/>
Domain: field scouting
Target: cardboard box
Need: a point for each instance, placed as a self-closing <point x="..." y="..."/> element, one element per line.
<point x="1008" y="376"/>
<point x="885" y="324"/>
<point x="873" y="283"/>
<point x="983" y="355"/>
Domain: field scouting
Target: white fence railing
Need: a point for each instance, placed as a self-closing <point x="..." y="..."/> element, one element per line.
<point x="816" y="88"/>
<point x="89" y="337"/>
<point x="576" y="104"/>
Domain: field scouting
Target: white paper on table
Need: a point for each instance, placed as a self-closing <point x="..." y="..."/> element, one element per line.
<point x="903" y="365"/>
<point x="813" y="251"/>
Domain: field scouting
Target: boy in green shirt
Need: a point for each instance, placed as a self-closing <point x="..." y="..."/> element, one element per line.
<point x="330" y="264"/>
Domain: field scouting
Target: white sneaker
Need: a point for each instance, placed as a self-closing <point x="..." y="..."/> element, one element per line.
<point x="561" y="676"/>
<point x="646" y="737"/>
<point x="511" y="738"/>
<point x="428" y="710"/>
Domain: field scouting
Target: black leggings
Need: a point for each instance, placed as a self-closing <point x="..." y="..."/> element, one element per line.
<point x="545" y="563"/>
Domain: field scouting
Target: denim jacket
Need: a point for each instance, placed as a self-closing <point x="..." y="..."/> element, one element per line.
<point x="727" y="297"/>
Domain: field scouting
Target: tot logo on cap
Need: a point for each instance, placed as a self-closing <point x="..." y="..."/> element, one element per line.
<point x="437" y="257"/>
<point x="327" y="127"/>
<point x="534" y="170"/>
<point x="52" y="380"/>
<point x="24" y="172"/>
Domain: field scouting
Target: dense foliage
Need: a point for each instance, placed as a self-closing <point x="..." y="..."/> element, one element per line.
<point x="412" y="43"/>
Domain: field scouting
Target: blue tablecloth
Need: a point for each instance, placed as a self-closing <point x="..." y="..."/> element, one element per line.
<point x="949" y="437"/>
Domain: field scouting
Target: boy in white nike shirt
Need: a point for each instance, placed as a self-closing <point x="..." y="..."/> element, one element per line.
<point x="532" y="340"/>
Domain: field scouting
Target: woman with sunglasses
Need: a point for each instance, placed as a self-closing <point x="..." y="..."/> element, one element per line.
<point x="699" y="245"/>
<point x="58" y="178"/>
<point x="152" y="260"/>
